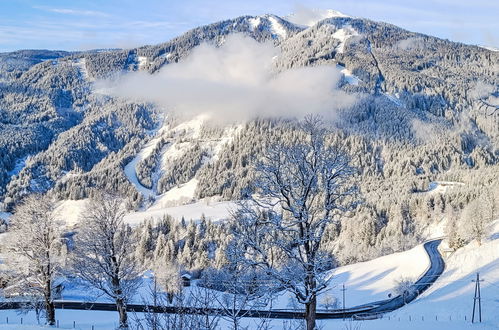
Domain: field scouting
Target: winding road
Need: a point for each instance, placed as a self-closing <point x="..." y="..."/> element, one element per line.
<point x="370" y="310"/>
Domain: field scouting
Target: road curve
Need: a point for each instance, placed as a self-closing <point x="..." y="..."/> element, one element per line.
<point x="367" y="310"/>
<point x="436" y="269"/>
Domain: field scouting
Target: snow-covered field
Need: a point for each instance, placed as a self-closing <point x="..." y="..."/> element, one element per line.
<point x="444" y="306"/>
<point x="212" y="210"/>
<point x="108" y="320"/>
<point x="369" y="281"/>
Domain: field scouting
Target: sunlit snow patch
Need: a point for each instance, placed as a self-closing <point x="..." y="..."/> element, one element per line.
<point x="347" y="74"/>
<point x="142" y="60"/>
<point x="277" y="28"/>
<point x="343" y="35"/>
<point x="309" y="17"/>
<point x="254" y="22"/>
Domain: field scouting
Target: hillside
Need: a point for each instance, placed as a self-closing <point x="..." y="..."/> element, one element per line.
<point x="60" y="132"/>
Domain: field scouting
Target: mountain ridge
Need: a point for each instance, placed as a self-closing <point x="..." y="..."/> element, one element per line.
<point x="420" y="119"/>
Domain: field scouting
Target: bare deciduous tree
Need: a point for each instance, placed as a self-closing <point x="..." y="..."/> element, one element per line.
<point x="235" y="292"/>
<point x="104" y="252"/>
<point x="35" y="251"/>
<point x="304" y="185"/>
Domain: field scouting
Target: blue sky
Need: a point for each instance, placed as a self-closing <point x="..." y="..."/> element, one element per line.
<point x="89" y="24"/>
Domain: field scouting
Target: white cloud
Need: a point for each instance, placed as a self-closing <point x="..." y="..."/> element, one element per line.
<point x="77" y="12"/>
<point x="236" y="81"/>
<point x="426" y="131"/>
<point x="410" y="44"/>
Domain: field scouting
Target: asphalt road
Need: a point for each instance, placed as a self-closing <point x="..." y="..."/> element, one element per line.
<point x="436" y="268"/>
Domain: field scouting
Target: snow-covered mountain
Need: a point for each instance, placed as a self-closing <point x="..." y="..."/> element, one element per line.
<point x="426" y="113"/>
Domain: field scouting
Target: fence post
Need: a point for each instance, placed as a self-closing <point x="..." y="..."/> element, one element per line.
<point x="7" y="320"/>
<point x="21" y="320"/>
<point x="74" y="324"/>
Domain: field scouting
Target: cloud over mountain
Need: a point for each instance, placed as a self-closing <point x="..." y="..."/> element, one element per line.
<point x="237" y="81"/>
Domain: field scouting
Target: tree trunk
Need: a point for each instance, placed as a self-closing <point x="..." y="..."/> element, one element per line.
<point x="120" y="305"/>
<point x="50" y="310"/>
<point x="49" y="304"/>
<point x="310" y="310"/>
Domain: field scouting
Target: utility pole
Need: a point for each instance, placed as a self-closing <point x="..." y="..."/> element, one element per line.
<point x="477" y="297"/>
<point x="155" y="294"/>
<point x="343" y="289"/>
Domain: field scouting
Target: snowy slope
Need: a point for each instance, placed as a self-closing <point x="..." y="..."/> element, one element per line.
<point x="69" y="211"/>
<point x="343" y="35"/>
<point x="309" y="17"/>
<point x="348" y="76"/>
<point x="451" y="297"/>
<point x="371" y="281"/>
<point x="211" y="210"/>
<point x="277" y="29"/>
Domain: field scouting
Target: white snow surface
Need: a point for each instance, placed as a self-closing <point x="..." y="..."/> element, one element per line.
<point x="394" y="99"/>
<point x="277" y="28"/>
<point x="347" y="74"/>
<point x="103" y="320"/>
<point x="310" y="17"/>
<point x="190" y="129"/>
<point x="372" y="280"/>
<point x="441" y="187"/>
<point x="142" y="60"/>
<point x="182" y="194"/>
<point x="255" y="22"/>
<point x="213" y="211"/>
<point x="69" y="211"/>
<point x="493" y="49"/>
<point x="343" y="34"/>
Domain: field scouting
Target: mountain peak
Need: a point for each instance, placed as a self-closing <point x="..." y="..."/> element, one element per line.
<point x="307" y="17"/>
